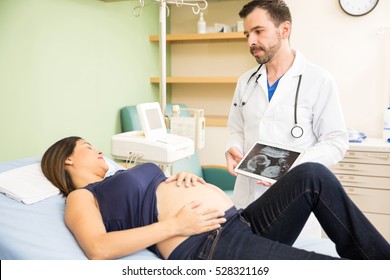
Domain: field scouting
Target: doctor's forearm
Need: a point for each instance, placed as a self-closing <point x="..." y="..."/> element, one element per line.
<point x="326" y="153"/>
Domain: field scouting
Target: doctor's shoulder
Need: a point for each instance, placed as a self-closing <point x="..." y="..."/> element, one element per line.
<point x="316" y="72"/>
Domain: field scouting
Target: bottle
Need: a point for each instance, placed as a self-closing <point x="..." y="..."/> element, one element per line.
<point x="201" y="24"/>
<point x="386" y="125"/>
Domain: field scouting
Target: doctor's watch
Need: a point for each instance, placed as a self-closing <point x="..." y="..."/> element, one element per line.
<point x="358" y="7"/>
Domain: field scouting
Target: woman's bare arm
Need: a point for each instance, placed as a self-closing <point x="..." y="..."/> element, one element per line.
<point x="83" y="218"/>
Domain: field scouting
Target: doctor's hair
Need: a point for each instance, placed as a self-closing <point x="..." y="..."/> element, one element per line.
<point x="53" y="164"/>
<point x="277" y="10"/>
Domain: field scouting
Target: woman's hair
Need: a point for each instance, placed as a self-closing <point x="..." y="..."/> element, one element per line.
<point x="277" y="10"/>
<point x="53" y="164"/>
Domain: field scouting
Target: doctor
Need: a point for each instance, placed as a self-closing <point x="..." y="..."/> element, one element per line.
<point x="284" y="100"/>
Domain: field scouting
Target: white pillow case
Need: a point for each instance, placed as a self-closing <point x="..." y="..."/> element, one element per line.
<point x="27" y="184"/>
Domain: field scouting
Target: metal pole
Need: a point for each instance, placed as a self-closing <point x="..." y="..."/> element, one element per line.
<point x="163" y="64"/>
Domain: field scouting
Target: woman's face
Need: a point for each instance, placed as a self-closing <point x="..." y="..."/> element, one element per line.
<point x="86" y="158"/>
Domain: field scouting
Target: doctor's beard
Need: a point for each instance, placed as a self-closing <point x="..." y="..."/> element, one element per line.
<point x="268" y="53"/>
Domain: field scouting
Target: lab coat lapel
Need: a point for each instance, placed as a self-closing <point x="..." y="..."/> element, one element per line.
<point x="262" y="81"/>
<point x="287" y="84"/>
<point x="284" y="88"/>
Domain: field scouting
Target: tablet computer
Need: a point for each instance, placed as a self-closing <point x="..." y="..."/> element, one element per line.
<point x="268" y="161"/>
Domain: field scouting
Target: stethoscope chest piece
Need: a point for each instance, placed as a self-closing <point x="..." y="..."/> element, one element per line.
<point x="297" y="131"/>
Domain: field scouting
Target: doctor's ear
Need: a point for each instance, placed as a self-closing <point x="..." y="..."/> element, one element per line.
<point x="285" y="29"/>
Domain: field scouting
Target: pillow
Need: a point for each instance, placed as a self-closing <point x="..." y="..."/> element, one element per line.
<point x="112" y="167"/>
<point x="29" y="185"/>
<point x="8" y="165"/>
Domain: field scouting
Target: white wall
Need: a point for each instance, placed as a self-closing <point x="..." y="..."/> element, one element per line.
<point x="353" y="51"/>
<point x="351" y="48"/>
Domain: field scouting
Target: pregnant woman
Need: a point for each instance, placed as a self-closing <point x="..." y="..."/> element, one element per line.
<point x="183" y="217"/>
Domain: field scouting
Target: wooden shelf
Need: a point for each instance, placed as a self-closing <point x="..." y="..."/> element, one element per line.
<point x="196" y="80"/>
<point x="219" y="121"/>
<point x="201" y="38"/>
<point x="216" y="121"/>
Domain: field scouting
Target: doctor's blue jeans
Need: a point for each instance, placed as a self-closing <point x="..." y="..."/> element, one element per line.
<point x="268" y="227"/>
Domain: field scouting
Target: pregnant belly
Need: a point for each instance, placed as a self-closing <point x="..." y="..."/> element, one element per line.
<point x="171" y="198"/>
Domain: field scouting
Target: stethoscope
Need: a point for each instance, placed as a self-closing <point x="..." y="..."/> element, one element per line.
<point x="296" y="130"/>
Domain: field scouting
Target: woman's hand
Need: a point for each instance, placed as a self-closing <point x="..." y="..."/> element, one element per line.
<point x="193" y="219"/>
<point x="188" y="178"/>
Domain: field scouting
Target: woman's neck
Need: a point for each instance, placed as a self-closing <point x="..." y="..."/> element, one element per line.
<point x="82" y="179"/>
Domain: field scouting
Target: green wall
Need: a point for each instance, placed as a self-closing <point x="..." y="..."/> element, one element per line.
<point x="67" y="67"/>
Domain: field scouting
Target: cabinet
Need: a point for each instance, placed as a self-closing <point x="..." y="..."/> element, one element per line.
<point x="364" y="173"/>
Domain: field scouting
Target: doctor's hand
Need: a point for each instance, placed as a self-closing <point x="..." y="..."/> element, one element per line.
<point x="188" y="178"/>
<point x="264" y="183"/>
<point x="233" y="157"/>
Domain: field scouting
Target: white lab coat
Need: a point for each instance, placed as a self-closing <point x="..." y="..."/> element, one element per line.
<point x="319" y="113"/>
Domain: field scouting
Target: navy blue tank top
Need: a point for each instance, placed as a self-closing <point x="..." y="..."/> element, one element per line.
<point x="127" y="199"/>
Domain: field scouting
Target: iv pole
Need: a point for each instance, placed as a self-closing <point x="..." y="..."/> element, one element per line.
<point x="163" y="56"/>
<point x="197" y="6"/>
